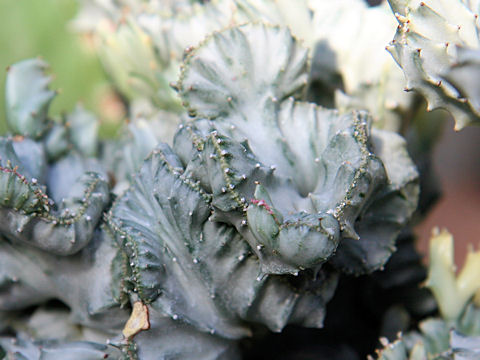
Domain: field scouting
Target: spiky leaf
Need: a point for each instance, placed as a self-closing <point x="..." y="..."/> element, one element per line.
<point x="436" y="44"/>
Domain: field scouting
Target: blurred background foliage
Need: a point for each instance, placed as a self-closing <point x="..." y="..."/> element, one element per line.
<point x="32" y="28"/>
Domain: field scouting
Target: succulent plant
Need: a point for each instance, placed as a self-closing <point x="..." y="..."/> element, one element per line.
<point x="294" y="155"/>
<point x="141" y="43"/>
<point x="141" y="47"/>
<point x="143" y="63"/>
<point x="220" y="167"/>
<point x="257" y="188"/>
<point x="436" y="45"/>
<point x="456" y="333"/>
<point x="246" y="221"/>
<point x="53" y="193"/>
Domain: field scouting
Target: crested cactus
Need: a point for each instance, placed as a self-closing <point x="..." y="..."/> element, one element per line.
<point x="436" y="45"/>
<point x="257" y="187"/>
<point x="39" y="165"/>
<point x="54" y="192"/>
<point x="366" y="79"/>
<point x="248" y="218"/>
<point x="280" y="189"/>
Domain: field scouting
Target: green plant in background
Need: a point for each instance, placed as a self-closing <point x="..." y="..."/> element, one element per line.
<point x="235" y="202"/>
<point x="141" y="45"/>
<point x="77" y="71"/>
<point x="143" y="63"/>
<point x="456" y="333"/>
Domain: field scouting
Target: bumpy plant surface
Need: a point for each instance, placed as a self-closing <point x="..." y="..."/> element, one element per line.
<point x="245" y="221"/>
<point x="437" y="46"/>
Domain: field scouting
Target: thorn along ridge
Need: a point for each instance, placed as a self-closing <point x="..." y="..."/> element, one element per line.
<point x="255" y="201"/>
